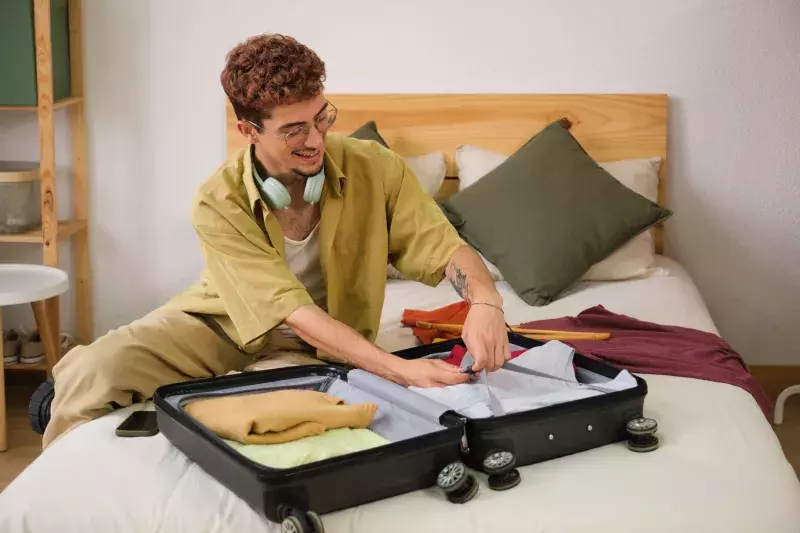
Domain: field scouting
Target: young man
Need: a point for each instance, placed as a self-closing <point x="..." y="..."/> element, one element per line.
<point x="296" y="231"/>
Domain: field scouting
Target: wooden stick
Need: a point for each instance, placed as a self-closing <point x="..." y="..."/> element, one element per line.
<point x="537" y="334"/>
<point x="577" y="336"/>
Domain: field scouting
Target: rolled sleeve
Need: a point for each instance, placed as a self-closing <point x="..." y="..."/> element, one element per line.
<point x="256" y="286"/>
<point x="421" y="239"/>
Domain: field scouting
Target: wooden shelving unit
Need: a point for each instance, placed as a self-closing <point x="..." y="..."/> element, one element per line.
<point x="66" y="229"/>
<point x="54" y="231"/>
<point x="58" y="104"/>
<point x="20" y="366"/>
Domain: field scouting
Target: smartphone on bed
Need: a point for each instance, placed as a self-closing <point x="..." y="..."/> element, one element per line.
<point x="139" y="424"/>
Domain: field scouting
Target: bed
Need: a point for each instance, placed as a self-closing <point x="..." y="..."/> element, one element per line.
<point x="720" y="466"/>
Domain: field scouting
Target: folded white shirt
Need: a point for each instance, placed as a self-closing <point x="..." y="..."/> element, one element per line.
<point x="469" y="399"/>
<point x="515" y="391"/>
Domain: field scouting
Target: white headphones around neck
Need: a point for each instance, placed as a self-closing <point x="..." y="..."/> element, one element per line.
<point x="275" y="194"/>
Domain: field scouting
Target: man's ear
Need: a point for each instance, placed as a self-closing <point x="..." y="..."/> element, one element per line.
<point x="248" y="130"/>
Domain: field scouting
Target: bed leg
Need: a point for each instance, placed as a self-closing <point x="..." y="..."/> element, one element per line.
<point x="781" y="401"/>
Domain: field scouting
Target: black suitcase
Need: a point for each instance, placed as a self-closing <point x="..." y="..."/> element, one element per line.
<point x="295" y="496"/>
<point x="550" y="432"/>
<point x="437" y="456"/>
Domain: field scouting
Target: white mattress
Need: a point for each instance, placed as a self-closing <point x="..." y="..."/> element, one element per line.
<point x="719" y="468"/>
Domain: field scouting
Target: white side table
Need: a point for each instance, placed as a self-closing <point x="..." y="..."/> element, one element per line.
<point x="781" y="401"/>
<point x="29" y="284"/>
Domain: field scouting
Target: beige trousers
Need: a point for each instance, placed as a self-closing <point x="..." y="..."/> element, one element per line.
<point x="128" y="364"/>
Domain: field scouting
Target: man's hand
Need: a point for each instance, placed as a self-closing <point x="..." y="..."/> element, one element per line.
<point x="431" y="373"/>
<point x="342" y="343"/>
<point x="484" y="330"/>
<point x="485" y="336"/>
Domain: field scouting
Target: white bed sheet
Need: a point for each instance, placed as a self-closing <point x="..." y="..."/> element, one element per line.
<point x="719" y="468"/>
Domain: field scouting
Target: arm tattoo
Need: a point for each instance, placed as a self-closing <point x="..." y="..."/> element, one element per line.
<point x="459" y="282"/>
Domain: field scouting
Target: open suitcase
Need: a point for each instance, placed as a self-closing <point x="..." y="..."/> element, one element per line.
<point x="429" y="443"/>
<point x="529" y="437"/>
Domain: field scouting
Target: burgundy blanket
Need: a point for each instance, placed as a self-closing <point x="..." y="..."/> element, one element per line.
<point x="647" y="348"/>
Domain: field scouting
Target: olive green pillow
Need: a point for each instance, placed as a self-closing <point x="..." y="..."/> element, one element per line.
<point x="369" y="132"/>
<point x="548" y="213"/>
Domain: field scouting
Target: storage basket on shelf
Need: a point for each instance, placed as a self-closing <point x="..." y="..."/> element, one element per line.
<point x="20" y="195"/>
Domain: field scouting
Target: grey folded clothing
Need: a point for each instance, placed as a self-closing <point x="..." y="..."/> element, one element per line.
<point x="509" y="391"/>
<point x="401" y="414"/>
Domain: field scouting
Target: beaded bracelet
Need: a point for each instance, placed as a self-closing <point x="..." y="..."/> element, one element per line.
<point x="490" y="305"/>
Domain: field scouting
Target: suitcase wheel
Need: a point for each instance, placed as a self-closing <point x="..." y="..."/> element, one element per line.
<point x="39" y="406"/>
<point x="316" y="521"/>
<point x="500" y="467"/>
<point x="459" y="485"/>
<point x="642" y="434"/>
<point x="498" y="462"/>
<point x="506" y="481"/>
<point x="298" y="522"/>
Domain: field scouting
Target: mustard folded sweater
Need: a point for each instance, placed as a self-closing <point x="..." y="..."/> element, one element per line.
<point x="278" y="416"/>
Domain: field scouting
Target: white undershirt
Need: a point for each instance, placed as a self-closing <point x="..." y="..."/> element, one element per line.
<point x="303" y="260"/>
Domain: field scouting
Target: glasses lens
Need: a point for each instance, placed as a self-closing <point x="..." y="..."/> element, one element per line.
<point x="296" y="138"/>
<point x="331" y="118"/>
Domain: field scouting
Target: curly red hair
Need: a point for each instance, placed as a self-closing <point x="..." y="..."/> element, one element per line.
<point x="269" y="70"/>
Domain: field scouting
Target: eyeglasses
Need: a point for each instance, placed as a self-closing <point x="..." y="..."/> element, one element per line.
<point x="298" y="136"/>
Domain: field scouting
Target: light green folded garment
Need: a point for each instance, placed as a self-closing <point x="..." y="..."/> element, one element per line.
<point x="332" y="443"/>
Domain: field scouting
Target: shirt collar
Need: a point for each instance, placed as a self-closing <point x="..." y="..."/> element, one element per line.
<point x="250" y="186"/>
<point x="334" y="178"/>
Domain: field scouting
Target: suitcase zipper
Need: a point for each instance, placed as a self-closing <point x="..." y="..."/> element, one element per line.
<point x="464" y="441"/>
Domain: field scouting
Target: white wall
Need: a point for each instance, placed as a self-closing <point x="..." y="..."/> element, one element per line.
<point x="732" y="69"/>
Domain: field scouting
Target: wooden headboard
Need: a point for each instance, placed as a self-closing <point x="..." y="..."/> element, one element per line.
<point x="610" y="127"/>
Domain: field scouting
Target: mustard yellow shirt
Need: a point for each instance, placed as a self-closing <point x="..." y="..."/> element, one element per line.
<point x="373" y="210"/>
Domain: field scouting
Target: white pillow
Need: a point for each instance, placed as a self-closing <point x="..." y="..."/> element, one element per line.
<point x="474" y="163"/>
<point x="430" y="170"/>
<point x="637" y="257"/>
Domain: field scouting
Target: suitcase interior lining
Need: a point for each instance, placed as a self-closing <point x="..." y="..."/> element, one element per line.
<point x="587" y="376"/>
<point x="401" y="413"/>
<point x="391" y="422"/>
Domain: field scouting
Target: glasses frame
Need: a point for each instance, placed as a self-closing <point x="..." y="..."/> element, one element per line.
<point x="304" y="130"/>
